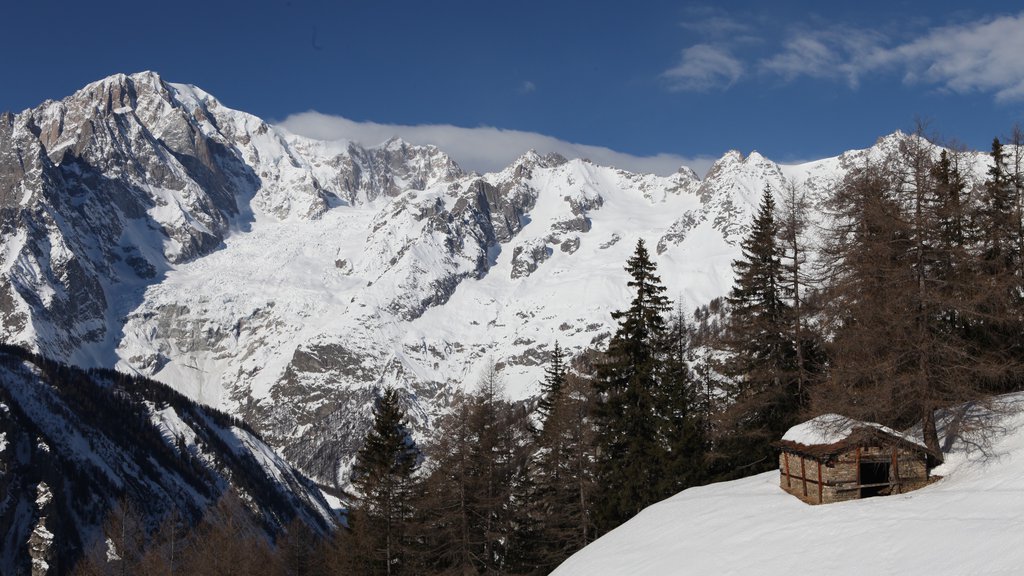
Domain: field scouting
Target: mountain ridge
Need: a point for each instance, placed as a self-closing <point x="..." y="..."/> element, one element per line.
<point x="285" y="279"/>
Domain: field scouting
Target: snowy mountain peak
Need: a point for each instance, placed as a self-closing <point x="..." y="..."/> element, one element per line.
<point x="149" y="227"/>
<point x="687" y="173"/>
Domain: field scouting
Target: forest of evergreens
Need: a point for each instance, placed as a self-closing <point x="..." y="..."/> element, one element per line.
<point x="905" y="300"/>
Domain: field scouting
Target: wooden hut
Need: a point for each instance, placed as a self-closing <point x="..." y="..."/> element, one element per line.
<point x="833" y="458"/>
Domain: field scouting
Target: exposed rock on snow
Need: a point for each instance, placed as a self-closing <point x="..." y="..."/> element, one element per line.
<point x="144" y="225"/>
<point x="79" y="442"/>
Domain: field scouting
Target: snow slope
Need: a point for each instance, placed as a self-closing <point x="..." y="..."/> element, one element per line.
<point x="90" y="439"/>
<point x="145" y="226"/>
<point x="969" y="522"/>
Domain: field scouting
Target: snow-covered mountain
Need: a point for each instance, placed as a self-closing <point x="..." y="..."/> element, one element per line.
<point x="75" y="444"/>
<point x="969" y="521"/>
<point x="146" y="226"/>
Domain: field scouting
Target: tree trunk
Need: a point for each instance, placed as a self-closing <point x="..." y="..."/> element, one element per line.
<point x="931" y="434"/>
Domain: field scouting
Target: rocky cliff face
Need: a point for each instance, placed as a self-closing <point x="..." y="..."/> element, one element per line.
<point x="146" y="226"/>
<point x="73" y="445"/>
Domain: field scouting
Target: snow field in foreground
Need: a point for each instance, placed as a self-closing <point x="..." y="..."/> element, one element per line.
<point x="969" y="522"/>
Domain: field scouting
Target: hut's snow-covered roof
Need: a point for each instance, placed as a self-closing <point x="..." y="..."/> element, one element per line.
<point x="830" y="429"/>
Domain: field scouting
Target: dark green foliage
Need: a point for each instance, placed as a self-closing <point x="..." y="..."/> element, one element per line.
<point x="628" y="414"/>
<point x="998" y="231"/>
<point x="554" y="379"/>
<point x="766" y="395"/>
<point x="383" y="476"/>
<point x="685" y="411"/>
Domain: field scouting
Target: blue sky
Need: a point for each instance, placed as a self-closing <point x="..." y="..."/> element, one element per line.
<point x="644" y="85"/>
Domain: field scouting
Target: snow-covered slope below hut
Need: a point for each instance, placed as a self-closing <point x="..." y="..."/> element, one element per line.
<point x="969" y="522"/>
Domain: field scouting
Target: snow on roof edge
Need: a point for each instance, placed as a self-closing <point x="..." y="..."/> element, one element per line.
<point x="833" y="428"/>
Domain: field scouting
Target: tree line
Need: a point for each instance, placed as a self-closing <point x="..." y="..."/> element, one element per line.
<point x="905" y="299"/>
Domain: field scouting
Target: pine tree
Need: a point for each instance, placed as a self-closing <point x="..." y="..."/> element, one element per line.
<point x="766" y="396"/>
<point x="684" y="422"/>
<point x="562" y="474"/>
<point x="999" y="228"/>
<point x="999" y="233"/>
<point x="631" y="455"/>
<point x="383" y="476"/>
<point x="554" y="379"/>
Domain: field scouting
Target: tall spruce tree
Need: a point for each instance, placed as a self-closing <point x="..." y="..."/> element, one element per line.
<point x="554" y="379"/>
<point x="766" y="395"/>
<point x="628" y="416"/>
<point x="995" y="217"/>
<point x="684" y="420"/>
<point x="383" y="476"/>
<point x="999" y="228"/>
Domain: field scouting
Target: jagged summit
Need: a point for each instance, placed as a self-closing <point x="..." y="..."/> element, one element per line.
<point x="144" y="225"/>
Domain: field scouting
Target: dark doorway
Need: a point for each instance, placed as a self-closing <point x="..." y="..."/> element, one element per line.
<point x="874" y="477"/>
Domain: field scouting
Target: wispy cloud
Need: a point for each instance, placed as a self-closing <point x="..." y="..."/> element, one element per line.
<point x="979" y="56"/>
<point x="527" y="87"/>
<point x="704" y="67"/>
<point x="834" y="53"/>
<point x="484" y="149"/>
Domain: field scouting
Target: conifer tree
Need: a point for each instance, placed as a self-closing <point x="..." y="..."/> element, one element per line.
<point x="766" y="396"/>
<point x="684" y="422"/>
<point x="554" y="379"/>
<point x="477" y="485"/>
<point x="995" y="217"/>
<point x="628" y="417"/>
<point x="383" y="476"/>
<point x="923" y="316"/>
<point x="794" y="255"/>
<point x="562" y="475"/>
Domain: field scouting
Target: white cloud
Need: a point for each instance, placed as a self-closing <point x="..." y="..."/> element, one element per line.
<point x="836" y="54"/>
<point x="527" y="87"/>
<point x="980" y="56"/>
<point x="986" y="55"/>
<point x="704" y="67"/>
<point x="483" y="149"/>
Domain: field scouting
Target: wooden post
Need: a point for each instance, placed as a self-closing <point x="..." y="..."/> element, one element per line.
<point x="857" y="467"/>
<point x="819" y="482"/>
<point x="803" y="474"/>
<point x="789" y="478"/>
<point x="894" y="474"/>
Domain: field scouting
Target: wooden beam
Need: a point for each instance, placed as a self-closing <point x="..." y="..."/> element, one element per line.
<point x="789" y="478"/>
<point x="894" y="472"/>
<point x="857" y="466"/>
<point x="803" y="475"/>
<point x="819" y="482"/>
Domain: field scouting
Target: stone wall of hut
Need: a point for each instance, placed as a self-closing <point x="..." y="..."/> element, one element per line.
<point x="837" y="480"/>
